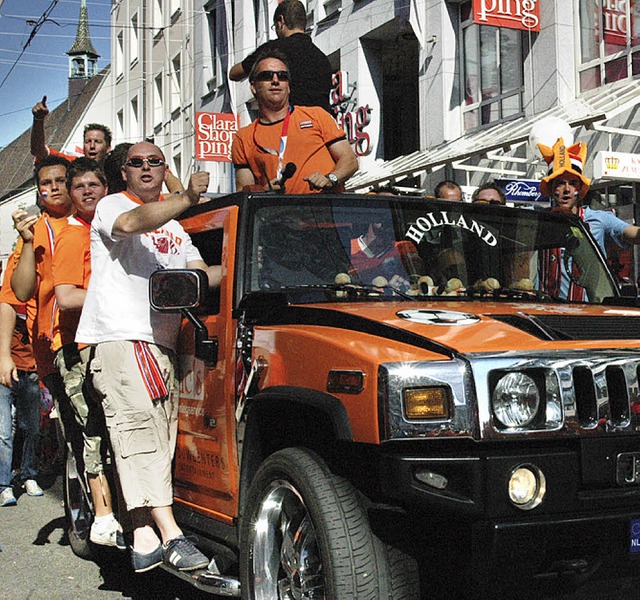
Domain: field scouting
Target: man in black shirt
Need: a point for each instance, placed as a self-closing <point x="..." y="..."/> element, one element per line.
<point x="310" y="68"/>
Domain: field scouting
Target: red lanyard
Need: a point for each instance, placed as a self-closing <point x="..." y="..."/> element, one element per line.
<point x="283" y="142"/>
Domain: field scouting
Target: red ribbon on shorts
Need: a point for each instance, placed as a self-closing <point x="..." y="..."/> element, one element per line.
<point x="150" y="371"/>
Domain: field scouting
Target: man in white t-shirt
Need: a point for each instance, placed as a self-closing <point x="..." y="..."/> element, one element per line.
<point x="133" y="235"/>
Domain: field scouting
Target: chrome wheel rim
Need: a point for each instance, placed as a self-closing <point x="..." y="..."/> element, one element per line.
<point x="286" y="559"/>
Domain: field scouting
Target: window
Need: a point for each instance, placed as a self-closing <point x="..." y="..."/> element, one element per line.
<point x="157" y="100"/>
<point x="609" y="42"/>
<point x="157" y="18"/>
<point x="120" y="124"/>
<point x="175" y="83"/>
<point x="119" y="66"/>
<point x="177" y="165"/>
<point x="214" y="33"/>
<point x="133" y="40"/>
<point x="492" y="70"/>
<point x="134" y="123"/>
<point x="175" y="8"/>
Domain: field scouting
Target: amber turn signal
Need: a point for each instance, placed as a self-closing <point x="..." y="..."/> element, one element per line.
<point x="345" y="382"/>
<point x="427" y="403"/>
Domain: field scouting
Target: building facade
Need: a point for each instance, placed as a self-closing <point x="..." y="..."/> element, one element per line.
<point x="425" y="89"/>
<point x="153" y="62"/>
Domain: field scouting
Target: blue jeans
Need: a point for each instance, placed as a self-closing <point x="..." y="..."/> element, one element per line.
<point x="24" y="394"/>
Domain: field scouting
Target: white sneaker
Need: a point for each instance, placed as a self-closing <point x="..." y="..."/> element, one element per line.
<point x="32" y="488"/>
<point x="7" y="498"/>
<point x="109" y="535"/>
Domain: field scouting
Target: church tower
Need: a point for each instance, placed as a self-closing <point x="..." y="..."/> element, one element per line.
<point x="83" y="58"/>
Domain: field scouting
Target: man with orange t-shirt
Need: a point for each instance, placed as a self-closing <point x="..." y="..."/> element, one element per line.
<point x="71" y="270"/>
<point x="305" y="136"/>
<point x="32" y="275"/>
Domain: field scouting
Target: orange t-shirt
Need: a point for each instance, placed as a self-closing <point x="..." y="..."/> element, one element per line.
<point x="72" y="266"/>
<point x="311" y="130"/>
<point x="21" y="350"/>
<point x="44" y="233"/>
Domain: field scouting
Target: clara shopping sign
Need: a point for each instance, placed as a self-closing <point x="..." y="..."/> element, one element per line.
<point x="512" y="14"/>
<point x="214" y="135"/>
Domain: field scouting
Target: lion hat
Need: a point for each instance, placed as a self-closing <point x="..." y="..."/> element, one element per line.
<point x="564" y="159"/>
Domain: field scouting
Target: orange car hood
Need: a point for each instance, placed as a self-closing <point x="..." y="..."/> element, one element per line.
<point x="497" y="326"/>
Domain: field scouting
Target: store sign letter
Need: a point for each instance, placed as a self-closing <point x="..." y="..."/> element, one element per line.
<point x="353" y="119"/>
<point x="616" y="26"/>
<point x="214" y="134"/>
<point x="512" y="14"/>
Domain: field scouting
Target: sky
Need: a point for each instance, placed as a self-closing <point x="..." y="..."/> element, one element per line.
<point x="43" y="67"/>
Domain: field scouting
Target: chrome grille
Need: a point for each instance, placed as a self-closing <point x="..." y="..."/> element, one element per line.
<point x="598" y="391"/>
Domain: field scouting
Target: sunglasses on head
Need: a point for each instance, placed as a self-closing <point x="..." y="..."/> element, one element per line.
<point x="268" y="75"/>
<point x="136" y="162"/>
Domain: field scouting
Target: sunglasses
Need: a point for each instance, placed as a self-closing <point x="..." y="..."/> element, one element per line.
<point x="136" y="162"/>
<point x="487" y="201"/>
<point x="268" y="75"/>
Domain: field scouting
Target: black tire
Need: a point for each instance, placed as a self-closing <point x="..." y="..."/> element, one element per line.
<point x="305" y="534"/>
<point x="404" y="574"/>
<point x="77" y="508"/>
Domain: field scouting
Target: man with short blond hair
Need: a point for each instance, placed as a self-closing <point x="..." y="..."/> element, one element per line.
<point x="283" y="134"/>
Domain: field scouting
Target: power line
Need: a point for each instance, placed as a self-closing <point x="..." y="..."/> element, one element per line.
<point x="39" y="23"/>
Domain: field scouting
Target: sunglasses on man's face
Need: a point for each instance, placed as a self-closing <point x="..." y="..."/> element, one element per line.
<point x="487" y="201"/>
<point x="268" y="75"/>
<point x="136" y="162"/>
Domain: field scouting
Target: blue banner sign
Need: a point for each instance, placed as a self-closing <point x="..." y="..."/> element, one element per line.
<point x="522" y="190"/>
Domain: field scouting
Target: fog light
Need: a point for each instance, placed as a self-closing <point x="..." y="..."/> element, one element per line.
<point x="527" y="487"/>
<point x="427" y="403"/>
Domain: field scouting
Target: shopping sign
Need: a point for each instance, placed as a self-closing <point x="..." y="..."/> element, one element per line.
<point x="615" y="21"/>
<point x="512" y="14"/>
<point x="214" y="135"/>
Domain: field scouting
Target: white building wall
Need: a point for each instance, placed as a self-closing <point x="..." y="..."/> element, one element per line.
<point x="163" y="53"/>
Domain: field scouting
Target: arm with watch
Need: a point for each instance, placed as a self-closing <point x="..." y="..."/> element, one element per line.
<point x="346" y="164"/>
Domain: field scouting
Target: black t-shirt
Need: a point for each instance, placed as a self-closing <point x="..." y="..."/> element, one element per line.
<point x="309" y="66"/>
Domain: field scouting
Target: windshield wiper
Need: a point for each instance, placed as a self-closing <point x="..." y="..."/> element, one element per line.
<point x="508" y="293"/>
<point x="350" y="289"/>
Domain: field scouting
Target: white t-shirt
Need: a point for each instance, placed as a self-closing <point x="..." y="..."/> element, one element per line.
<point x="117" y="304"/>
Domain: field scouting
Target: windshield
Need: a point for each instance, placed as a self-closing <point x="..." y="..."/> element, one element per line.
<point x="363" y="247"/>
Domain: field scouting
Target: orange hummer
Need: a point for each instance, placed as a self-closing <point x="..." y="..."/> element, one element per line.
<point x="396" y="397"/>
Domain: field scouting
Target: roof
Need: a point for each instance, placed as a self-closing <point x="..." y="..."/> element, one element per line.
<point x="16" y="162"/>
<point x="603" y="104"/>
<point x="82" y="43"/>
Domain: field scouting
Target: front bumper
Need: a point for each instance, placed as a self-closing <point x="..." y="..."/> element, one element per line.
<point x="582" y="527"/>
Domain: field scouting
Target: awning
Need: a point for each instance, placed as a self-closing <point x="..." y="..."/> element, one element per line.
<point x="600" y="105"/>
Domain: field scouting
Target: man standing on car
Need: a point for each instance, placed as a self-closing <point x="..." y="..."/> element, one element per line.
<point x="310" y="68"/>
<point x="305" y="136"/>
<point x="133" y="367"/>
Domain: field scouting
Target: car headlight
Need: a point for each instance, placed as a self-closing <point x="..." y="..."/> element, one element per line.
<point x="515" y="399"/>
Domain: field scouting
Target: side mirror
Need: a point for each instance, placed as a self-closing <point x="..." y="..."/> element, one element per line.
<point x="173" y="290"/>
<point x="182" y="290"/>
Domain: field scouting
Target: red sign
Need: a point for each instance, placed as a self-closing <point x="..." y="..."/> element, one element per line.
<point x="512" y="14"/>
<point x="616" y="24"/>
<point x="353" y="119"/>
<point x="214" y="134"/>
